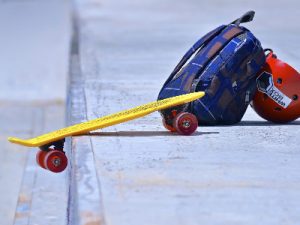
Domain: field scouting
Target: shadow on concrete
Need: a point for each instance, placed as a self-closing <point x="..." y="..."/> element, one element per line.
<point x="266" y="123"/>
<point x="143" y="133"/>
<point x="246" y="123"/>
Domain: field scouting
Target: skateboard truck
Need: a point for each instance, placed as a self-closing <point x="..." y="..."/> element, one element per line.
<point x="52" y="157"/>
<point x="177" y="119"/>
<point x="184" y="123"/>
<point x="57" y="145"/>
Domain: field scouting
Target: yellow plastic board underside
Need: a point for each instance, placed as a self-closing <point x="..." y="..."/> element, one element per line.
<point x="107" y="121"/>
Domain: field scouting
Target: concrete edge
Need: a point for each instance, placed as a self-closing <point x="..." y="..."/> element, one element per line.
<point x="84" y="195"/>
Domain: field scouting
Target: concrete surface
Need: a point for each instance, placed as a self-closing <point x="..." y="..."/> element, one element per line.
<point x="34" y="54"/>
<point x="34" y="45"/>
<point x="137" y="173"/>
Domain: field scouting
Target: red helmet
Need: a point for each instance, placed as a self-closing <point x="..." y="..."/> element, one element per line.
<point x="278" y="96"/>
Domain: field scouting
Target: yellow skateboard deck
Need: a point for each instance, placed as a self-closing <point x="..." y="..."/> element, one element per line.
<point x="106" y="121"/>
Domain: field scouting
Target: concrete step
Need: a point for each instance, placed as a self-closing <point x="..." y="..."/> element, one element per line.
<point x="138" y="173"/>
<point x="34" y="43"/>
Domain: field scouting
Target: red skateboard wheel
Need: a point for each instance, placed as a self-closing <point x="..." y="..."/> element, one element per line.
<point x="40" y="156"/>
<point x="167" y="126"/>
<point x="56" y="161"/>
<point x="185" y="123"/>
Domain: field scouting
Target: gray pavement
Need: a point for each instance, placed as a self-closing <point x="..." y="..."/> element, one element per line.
<point x="33" y="42"/>
<point x="137" y="173"/>
<point x="34" y="45"/>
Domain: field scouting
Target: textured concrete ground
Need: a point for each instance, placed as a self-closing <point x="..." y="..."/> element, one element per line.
<point x="137" y="173"/>
<point x="34" y="45"/>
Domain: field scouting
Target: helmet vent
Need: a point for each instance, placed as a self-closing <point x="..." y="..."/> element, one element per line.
<point x="279" y="81"/>
<point x="277" y="109"/>
<point x="295" y="97"/>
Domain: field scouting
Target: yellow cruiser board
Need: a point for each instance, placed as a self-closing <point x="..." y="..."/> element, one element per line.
<point x="106" y="121"/>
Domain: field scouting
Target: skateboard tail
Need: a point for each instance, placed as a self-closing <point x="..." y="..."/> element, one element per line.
<point x="21" y="142"/>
